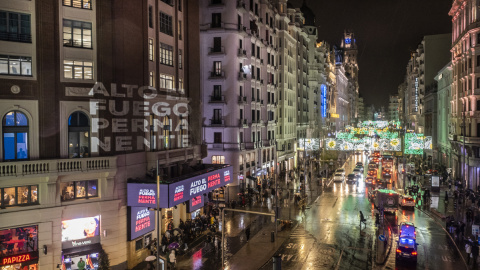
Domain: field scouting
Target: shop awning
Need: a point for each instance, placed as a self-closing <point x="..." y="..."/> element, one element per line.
<point x="88" y="249"/>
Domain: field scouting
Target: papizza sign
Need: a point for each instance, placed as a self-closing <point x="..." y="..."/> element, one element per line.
<point x="130" y="108"/>
<point x="144" y="195"/>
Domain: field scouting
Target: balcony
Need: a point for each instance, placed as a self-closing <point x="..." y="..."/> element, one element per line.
<point x="217" y="75"/>
<point x="217" y="122"/>
<point x="242" y="146"/>
<point x="242" y="123"/>
<point x="242" y="53"/>
<point x="242" y="76"/>
<point x="216" y="50"/>
<point x="217" y="99"/>
<point x="38" y="167"/>
<point x="216" y="3"/>
<point x="242" y="99"/>
<point x="251" y="145"/>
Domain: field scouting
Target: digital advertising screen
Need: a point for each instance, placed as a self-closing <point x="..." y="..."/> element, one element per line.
<point x="80" y="232"/>
<point x="195" y="203"/>
<point x="142" y="221"/>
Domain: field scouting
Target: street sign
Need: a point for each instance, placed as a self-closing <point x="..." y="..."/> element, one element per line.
<point x="381" y="237"/>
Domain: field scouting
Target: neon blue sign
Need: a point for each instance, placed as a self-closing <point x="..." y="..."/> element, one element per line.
<point x="323" y="88"/>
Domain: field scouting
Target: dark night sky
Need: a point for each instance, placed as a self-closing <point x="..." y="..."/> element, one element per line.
<point x="386" y="31"/>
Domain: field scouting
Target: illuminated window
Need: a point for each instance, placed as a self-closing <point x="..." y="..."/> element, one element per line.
<point x="166" y="81"/>
<point x="18" y="196"/>
<point x="180" y="59"/>
<point x="83" y="4"/>
<point x="166" y="54"/>
<point x="15" y="65"/>
<point x="150" y="49"/>
<point x="78" y="135"/>
<point x="78" y="190"/>
<point x="166" y="132"/>
<point x="77" y="34"/>
<point x="78" y="70"/>
<point x="151" y="80"/>
<point x="15" y="136"/>
<point x="218" y="159"/>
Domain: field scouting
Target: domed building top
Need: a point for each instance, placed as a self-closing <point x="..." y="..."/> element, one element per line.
<point x="308" y="14"/>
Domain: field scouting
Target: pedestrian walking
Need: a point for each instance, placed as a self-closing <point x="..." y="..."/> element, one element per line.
<point x="475" y="250"/>
<point x="468" y="249"/>
<point x="172" y="259"/>
<point x="247" y="233"/>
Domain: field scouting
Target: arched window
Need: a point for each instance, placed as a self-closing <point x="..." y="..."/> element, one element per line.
<point x="15" y="136"/>
<point x="78" y="135"/>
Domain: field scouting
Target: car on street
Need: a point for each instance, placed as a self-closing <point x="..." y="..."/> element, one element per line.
<point x="372" y="166"/>
<point x="357" y="171"/>
<point x="372" y="172"/>
<point x="406" y="250"/>
<point x="359" y="164"/>
<point x="376" y="153"/>
<point x="339" y="177"/>
<point x="407" y="230"/>
<point x="340" y="170"/>
<point x="386" y="173"/>
<point x="351" y="178"/>
<point x="407" y="201"/>
<point x="380" y="183"/>
<point x="370" y="180"/>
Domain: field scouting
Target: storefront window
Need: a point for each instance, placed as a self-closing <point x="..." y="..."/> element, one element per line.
<point x="19" y="244"/>
<point x="79" y="190"/>
<point x="14" y="196"/>
<point x="84" y="261"/>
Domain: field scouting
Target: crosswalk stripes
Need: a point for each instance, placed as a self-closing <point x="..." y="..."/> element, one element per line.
<point x="299" y="232"/>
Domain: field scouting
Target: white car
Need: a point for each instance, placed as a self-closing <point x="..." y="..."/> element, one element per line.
<point x="338" y="177"/>
<point x="357" y="171"/>
<point x="340" y="170"/>
<point x="406" y="201"/>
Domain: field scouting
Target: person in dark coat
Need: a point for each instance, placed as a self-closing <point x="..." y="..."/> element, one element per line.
<point x="475" y="253"/>
<point x="247" y="233"/>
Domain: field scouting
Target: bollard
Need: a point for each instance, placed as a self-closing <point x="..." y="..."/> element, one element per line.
<point x="272" y="236"/>
<point x="277" y="262"/>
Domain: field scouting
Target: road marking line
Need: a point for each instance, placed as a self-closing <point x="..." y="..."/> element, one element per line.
<point x="339" y="259"/>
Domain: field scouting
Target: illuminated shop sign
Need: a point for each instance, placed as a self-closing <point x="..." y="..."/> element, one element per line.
<point x="416" y="94"/>
<point x="80" y="232"/>
<point x="334" y="115"/>
<point x="323" y="101"/>
<point x="195" y="203"/>
<point x="175" y="193"/>
<point x="19" y="258"/>
<point x="142" y="221"/>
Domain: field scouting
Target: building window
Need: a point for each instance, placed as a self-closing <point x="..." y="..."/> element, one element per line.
<point x="16" y="196"/>
<point x="15" y="65"/>
<point x="217" y="92"/>
<point x="77" y="34"/>
<point x="217" y="66"/>
<point x="217" y="116"/>
<point x="78" y="135"/>
<point x="166" y="81"/>
<point x="218" y="159"/>
<point x="216" y="20"/>
<point x="180" y="85"/>
<point x="179" y="5"/>
<point x="15" y="27"/>
<point x="83" y="4"/>
<point x="166" y="24"/>
<point x="79" y="190"/>
<point x="166" y="54"/>
<point x="151" y="79"/>
<point x="217" y="137"/>
<point x="150" y="49"/>
<point x="166" y="132"/>
<point x="168" y="2"/>
<point x="15" y="136"/>
<point x="78" y="70"/>
<point x="180" y="59"/>
<point x="150" y="16"/>
<point x="180" y="30"/>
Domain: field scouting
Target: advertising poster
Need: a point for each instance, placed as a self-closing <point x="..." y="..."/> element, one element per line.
<point x="195" y="203"/>
<point x="142" y="221"/>
<point x="80" y="232"/>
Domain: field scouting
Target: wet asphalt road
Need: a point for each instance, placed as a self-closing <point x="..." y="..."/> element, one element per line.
<point x="329" y="236"/>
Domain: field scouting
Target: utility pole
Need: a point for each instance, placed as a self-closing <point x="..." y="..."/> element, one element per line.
<point x="465" y="165"/>
<point x="159" y="224"/>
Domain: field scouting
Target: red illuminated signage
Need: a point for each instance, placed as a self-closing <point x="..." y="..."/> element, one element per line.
<point x="19" y="258"/>
<point x="143" y="220"/>
<point x="178" y="193"/>
<point x="146" y="196"/>
<point x="196" y="200"/>
<point x="213" y="180"/>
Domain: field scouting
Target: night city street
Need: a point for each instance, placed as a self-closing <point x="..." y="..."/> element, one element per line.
<point x="239" y="134"/>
